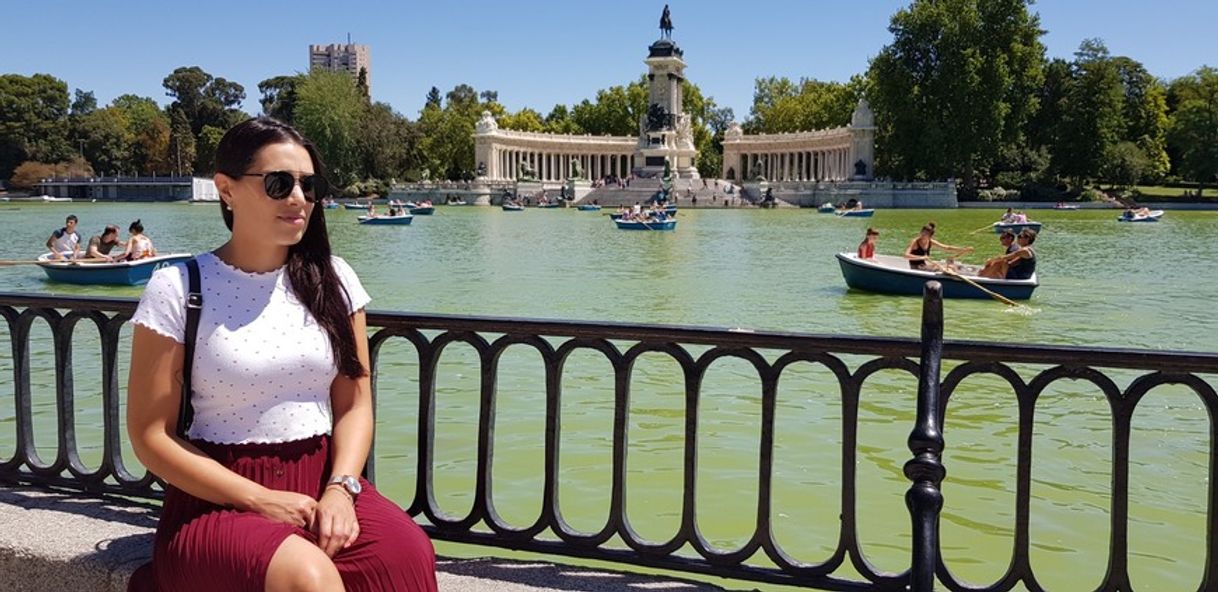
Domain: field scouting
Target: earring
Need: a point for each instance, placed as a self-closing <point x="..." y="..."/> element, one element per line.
<point x="228" y="206"/>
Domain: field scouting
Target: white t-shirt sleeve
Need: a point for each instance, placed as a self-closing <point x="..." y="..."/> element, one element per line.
<point x="357" y="297"/>
<point x="162" y="308"/>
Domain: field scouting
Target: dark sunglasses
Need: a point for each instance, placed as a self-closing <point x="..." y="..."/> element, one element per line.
<point x="279" y="185"/>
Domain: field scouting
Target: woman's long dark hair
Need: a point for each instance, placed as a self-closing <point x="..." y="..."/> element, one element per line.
<point x="314" y="280"/>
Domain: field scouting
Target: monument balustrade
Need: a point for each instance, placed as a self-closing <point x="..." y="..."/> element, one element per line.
<point x="938" y="367"/>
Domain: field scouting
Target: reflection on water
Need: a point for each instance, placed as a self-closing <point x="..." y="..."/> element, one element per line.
<point x="1103" y="284"/>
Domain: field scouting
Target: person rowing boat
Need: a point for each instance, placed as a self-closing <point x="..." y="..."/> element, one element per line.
<point x="918" y="251"/>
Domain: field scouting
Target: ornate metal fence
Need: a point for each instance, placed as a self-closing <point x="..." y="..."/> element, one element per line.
<point x="761" y="558"/>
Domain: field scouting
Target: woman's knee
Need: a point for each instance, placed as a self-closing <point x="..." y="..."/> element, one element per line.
<point x="300" y="566"/>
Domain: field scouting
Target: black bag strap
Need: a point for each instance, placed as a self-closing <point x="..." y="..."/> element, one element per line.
<point x="194" y="306"/>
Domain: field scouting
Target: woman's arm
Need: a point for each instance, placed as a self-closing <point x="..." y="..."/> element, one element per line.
<point x="154" y="390"/>
<point x="949" y="247"/>
<point x="351" y="400"/>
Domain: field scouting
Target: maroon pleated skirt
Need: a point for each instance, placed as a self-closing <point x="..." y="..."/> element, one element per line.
<point x="202" y="546"/>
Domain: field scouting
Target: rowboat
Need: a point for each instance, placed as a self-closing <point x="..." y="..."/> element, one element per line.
<point x="1016" y="227"/>
<point x="401" y="220"/>
<point x="668" y="224"/>
<point x="104" y="273"/>
<point x="513" y="207"/>
<point x="1153" y="216"/>
<point x="422" y="210"/>
<point x="857" y="213"/>
<point x="331" y="205"/>
<point x="888" y="274"/>
<point x="549" y="205"/>
<point x="1065" y="207"/>
<point x="588" y="208"/>
<point x="826" y="208"/>
<point x="355" y="206"/>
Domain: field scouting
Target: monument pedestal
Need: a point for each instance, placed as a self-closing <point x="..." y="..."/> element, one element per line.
<point x="578" y="189"/>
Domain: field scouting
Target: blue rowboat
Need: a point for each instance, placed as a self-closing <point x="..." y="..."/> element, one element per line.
<point x="887" y="274"/>
<point x="422" y="210"/>
<point x="331" y="205"/>
<point x="826" y="208"/>
<point x="123" y="273"/>
<point x="1016" y="227"/>
<point x="857" y="213"/>
<point x="669" y="224"/>
<point x="355" y="206"/>
<point x="588" y="208"/>
<point x="402" y="220"/>
<point x="1152" y="217"/>
<point x="549" y="205"/>
<point x="513" y="208"/>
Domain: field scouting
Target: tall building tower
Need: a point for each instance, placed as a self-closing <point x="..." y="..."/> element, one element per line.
<point x="343" y="57"/>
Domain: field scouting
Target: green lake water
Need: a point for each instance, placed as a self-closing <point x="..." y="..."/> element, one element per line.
<point x="1103" y="284"/>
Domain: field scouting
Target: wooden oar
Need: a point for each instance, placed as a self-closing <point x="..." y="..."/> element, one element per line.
<point x="992" y="294"/>
<point x="989" y="226"/>
<point x="36" y="261"/>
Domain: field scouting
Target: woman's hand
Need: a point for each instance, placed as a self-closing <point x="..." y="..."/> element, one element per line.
<point x="334" y="523"/>
<point x="286" y="506"/>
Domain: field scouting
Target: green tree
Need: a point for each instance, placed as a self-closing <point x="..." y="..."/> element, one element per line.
<point x="361" y="82"/>
<point x="279" y="97"/>
<point x="524" y="120"/>
<point x="387" y="143"/>
<point x="1092" y="118"/>
<point x="616" y="112"/>
<point x="33" y="121"/>
<point x="559" y="121"/>
<point x="782" y="106"/>
<point x="83" y="103"/>
<point x="328" y="112"/>
<point x="108" y="141"/>
<point x="1145" y="114"/>
<point x="208" y="140"/>
<point x="955" y="86"/>
<point x="204" y="99"/>
<point x="1194" y="125"/>
<point x="433" y="97"/>
<point x="149" y="126"/>
<point x="1125" y="164"/>
<point x="181" y="143"/>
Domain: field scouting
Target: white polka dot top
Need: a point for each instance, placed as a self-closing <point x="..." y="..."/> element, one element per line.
<point x="262" y="365"/>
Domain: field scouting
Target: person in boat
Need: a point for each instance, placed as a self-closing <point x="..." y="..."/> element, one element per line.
<point x="100" y="245"/>
<point x="1008" y="217"/>
<point x="371" y="210"/>
<point x="263" y="489"/>
<point x="867" y="247"/>
<point x="918" y="251"/>
<point x="139" y="246"/>
<point x="1021" y="264"/>
<point x="996" y="267"/>
<point x="64" y="243"/>
<point x="1021" y="218"/>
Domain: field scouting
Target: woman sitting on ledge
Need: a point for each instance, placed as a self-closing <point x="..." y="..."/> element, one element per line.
<point x="263" y="489"/>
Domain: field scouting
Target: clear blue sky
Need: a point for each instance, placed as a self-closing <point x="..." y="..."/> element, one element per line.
<point x="535" y="53"/>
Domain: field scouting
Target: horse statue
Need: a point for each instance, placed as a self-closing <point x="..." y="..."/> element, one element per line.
<point x="666" y="23"/>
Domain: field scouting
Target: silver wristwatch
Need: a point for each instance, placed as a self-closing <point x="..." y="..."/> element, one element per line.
<point x="349" y="483"/>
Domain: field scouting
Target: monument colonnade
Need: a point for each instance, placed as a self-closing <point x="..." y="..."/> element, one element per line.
<point x="550" y="156"/>
<point x="824" y="155"/>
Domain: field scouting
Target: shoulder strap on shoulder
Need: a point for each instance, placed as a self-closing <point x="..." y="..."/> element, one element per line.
<point x="194" y="306"/>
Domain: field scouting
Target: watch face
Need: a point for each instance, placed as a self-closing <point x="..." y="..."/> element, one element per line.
<point x="352" y="485"/>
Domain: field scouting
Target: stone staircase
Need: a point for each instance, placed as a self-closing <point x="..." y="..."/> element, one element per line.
<point x="643" y="190"/>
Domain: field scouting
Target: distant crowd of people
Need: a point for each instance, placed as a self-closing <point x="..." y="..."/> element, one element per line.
<point x="64" y="243"/>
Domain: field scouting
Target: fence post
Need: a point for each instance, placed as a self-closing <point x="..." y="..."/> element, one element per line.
<point x="924" y="499"/>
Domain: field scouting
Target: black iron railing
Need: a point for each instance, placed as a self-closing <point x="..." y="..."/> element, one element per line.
<point x="760" y="558"/>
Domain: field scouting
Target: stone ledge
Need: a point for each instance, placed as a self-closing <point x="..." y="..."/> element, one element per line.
<point x="57" y="541"/>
